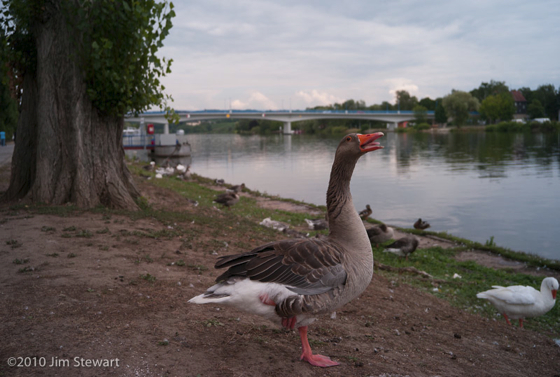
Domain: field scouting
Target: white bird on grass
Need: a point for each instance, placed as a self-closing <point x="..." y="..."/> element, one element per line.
<point x="519" y="301"/>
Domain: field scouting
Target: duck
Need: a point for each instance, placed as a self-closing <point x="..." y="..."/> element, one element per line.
<point x="380" y="233"/>
<point x="317" y="224"/>
<point x="520" y="302"/>
<point x="365" y="213"/>
<point x="292" y="281"/>
<point x="149" y="167"/>
<point x="419" y="224"/>
<point x="403" y="247"/>
<point x="219" y="181"/>
<point x="228" y="199"/>
<point x="236" y="188"/>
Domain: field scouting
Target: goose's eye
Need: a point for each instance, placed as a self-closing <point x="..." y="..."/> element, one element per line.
<point x="348" y="138"/>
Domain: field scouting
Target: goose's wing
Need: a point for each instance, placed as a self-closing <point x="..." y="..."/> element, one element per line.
<point x="307" y="267"/>
<point x="515" y="295"/>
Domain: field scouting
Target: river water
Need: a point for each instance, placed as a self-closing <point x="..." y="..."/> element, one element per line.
<point x="473" y="185"/>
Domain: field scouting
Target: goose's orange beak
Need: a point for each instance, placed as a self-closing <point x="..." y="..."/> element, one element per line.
<point x="554" y="293"/>
<point x="368" y="143"/>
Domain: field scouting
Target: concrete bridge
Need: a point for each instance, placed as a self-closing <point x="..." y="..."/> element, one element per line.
<point x="392" y="118"/>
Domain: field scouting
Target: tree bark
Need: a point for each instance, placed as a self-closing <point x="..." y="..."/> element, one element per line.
<point x="66" y="151"/>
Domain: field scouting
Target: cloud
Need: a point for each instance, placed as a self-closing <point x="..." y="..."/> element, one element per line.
<point x="401" y="84"/>
<point x="256" y="101"/>
<point x="317" y="98"/>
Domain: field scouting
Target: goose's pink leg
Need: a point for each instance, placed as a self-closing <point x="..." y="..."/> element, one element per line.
<point x="520" y="322"/>
<point x="307" y="355"/>
<point x="507" y="319"/>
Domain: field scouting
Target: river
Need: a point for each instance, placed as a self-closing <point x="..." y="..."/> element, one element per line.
<point x="474" y="185"/>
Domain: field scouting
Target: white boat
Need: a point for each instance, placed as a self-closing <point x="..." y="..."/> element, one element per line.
<point x="161" y="145"/>
<point x="171" y="145"/>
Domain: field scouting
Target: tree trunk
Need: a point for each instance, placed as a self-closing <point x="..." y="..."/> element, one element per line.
<point x="66" y="152"/>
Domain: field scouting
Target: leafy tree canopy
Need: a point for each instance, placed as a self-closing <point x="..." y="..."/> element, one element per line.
<point x="498" y="107"/>
<point x="428" y="103"/>
<point x="486" y="89"/>
<point x="404" y="101"/>
<point x="458" y="104"/>
<point x="116" y="44"/>
<point x="420" y="113"/>
<point x="535" y="109"/>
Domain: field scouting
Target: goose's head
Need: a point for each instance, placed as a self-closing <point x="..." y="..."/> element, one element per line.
<point x="550" y="284"/>
<point x="357" y="144"/>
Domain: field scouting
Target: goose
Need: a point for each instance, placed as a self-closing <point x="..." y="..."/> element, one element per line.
<point x="365" y="213"/>
<point x="227" y="199"/>
<point x="236" y="188"/>
<point x="276" y="225"/>
<point x="292" y="281"/>
<point x="317" y="224"/>
<point x="380" y="233"/>
<point x="419" y="224"/>
<point x="403" y="246"/>
<point x="519" y="302"/>
<point x="219" y="181"/>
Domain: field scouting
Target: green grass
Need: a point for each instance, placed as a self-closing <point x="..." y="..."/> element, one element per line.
<point x="441" y="264"/>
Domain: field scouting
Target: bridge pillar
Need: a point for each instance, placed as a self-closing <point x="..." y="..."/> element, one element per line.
<point x="166" y="128"/>
<point x="287" y="128"/>
<point x="392" y="126"/>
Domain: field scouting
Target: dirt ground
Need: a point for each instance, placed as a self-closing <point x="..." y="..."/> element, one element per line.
<point x="115" y="293"/>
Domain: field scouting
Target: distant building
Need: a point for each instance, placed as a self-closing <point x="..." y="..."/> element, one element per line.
<point x="520" y="103"/>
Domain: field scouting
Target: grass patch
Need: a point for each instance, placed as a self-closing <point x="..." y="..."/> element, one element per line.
<point x="13" y="243"/>
<point x="441" y="264"/>
<point x="148" y="277"/>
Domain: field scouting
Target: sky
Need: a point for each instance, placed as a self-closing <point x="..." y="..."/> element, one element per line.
<point x="283" y="54"/>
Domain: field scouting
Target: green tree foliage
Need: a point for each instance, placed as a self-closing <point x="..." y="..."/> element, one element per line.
<point x="428" y="103"/>
<point x="547" y="96"/>
<point x="115" y="44"/>
<point x="497" y="107"/>
<point x="420" y="113"/>
<point x="458" y="104"/>
<point x="535" y="109"/>
<point x="439" y="114"/>
<point x="487" y="89"/>
<point x="404" y="101"/>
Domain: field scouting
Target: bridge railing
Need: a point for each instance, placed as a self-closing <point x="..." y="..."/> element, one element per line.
<point x="249" y="111"/>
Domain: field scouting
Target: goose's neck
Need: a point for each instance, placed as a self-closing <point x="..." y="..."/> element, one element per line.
<point x="345" y="225"/>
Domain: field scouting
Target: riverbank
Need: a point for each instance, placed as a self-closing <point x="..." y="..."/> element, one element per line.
<point x="112" y="284"/>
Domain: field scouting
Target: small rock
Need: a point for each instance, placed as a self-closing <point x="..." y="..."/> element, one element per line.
<point x="457" y="336"/>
